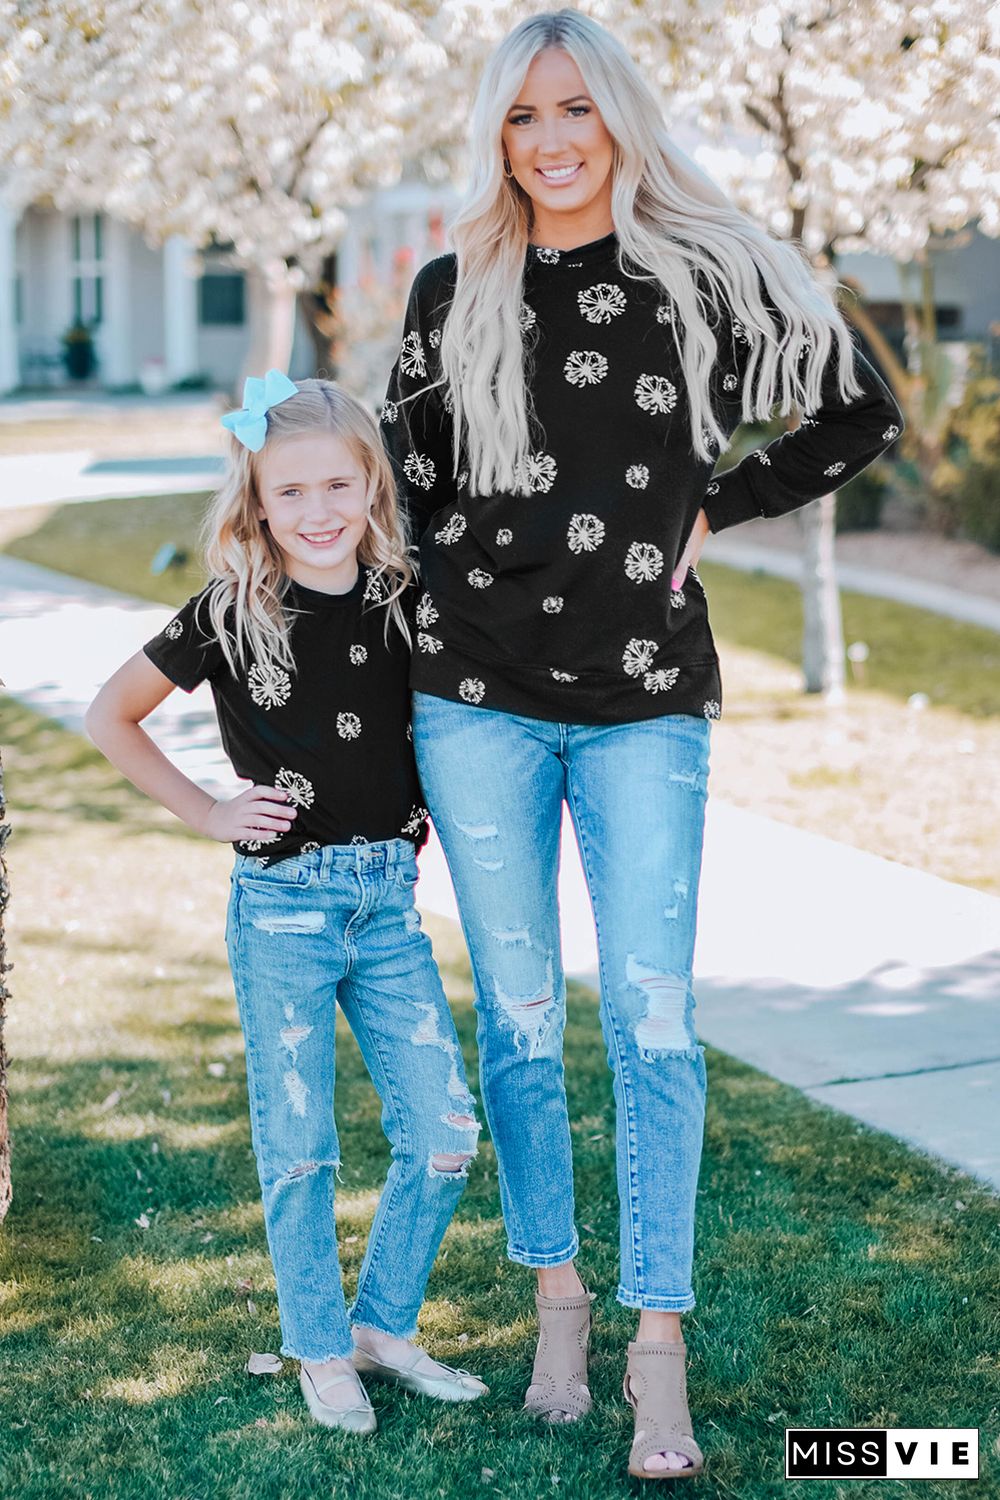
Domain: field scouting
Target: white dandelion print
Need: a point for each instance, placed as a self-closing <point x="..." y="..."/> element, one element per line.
<point x="662" y="680"/>
<point x="637" y="658"/>
<point x="527" y="317"/>
<point x="254" y="844"/>
<point x="585" y="367"/>
<point x="434" y="338"/>
<point x="540" y="472"/>
<point x="563" y="676"/>
<point x="504" y="537"/>
<point x="427" y="614"/>
<point x="665" y="312"/>
<point x="359" y="838"/>
<point x="471" y="689"/>
<point x="729" y="382"/>
<point x="429" y="643"/>
<point x="390" y="411"/>
<point x="643" y="562"/>
<point x="764" y="458"/>
<point x="837" y="468"/>
<point x="412" y="360"/>
<point x="805" y="421"/>
<point x="414" y="821"/>
<point x="712" y="710"/>
<point x="348" y="726"/>
<point x="553" y="604"/>
<point x="601" y="303"/>
<point x="677" y="599"/>
<point x="637" y="476"/>
<point x="358" y="655"/>
<point x="462" y="479"/>
<point x="890" y="433"/>
<point x="585" y="533"/>
<point x="546" y="256"/>
<point x="298" y="789"/>
<point x="376" y="592"/>
<point x="309" y="848"/>
<point x="452" y="529"/>
<point x="270" y="686"/>
<point x="480" y="579"/>
<point x="174" y="630"/>
<point x="713" y="489"/>
<point x="420" y="470"/>
<point x="655" y="393"/>
<point x="409" y="731"/>
<point x="741" y="333"/>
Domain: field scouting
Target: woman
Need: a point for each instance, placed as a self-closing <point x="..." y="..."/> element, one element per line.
<point x="565" y="383"/>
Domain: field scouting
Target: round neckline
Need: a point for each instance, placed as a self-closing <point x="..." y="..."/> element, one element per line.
<point x="552" y="258"/>
<point x="301" y="595"/>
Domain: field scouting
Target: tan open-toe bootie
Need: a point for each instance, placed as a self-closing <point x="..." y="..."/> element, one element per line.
<point x="656" y="1386"/>
<point x="559" y="1378"/>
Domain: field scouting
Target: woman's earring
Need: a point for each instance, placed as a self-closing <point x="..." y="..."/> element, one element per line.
<point x="507" y="171"/>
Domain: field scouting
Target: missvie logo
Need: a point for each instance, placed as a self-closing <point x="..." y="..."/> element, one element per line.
<point x="882" y="1453"/>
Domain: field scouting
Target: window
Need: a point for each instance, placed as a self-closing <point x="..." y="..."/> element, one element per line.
<point x="221" y="298"/>
<point x="87" y="245"/>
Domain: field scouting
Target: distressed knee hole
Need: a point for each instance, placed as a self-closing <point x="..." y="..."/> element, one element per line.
<point x="301" y="922"/>
<point x="292" y="1038"/>
<point x="304" y="1169"/>
<point x="411" y="919"/>
<point x="450" y="1163"/>
<point x="531" y="1015"/>
<point x="663" y="1028"/>
<point x="461" y="1122"/>
<point x="690" y="779"/>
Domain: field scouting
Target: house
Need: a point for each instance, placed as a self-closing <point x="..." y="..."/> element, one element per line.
<point x="164" y="314"/>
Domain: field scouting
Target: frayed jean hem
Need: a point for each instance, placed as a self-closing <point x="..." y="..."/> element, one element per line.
<point x="647" y="1303"/>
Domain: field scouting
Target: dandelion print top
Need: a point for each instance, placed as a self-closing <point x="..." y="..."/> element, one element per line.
<point x="558" y="604"/>
<point x="334" y="733"/>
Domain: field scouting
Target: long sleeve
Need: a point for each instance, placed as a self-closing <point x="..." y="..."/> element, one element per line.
<point x="829" y="447"/>
<point x="415" y="423"/>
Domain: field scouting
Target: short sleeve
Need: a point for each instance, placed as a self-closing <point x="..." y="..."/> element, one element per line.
<point x="186" y="649"/>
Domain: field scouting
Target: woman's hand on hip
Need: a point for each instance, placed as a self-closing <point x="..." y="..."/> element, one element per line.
<point x="692" y="551"/>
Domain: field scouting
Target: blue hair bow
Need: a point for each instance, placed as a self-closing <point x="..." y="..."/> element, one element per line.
<point x="249" y="424"/>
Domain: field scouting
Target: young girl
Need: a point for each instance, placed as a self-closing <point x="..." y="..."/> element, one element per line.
<point x="303" y="634"/>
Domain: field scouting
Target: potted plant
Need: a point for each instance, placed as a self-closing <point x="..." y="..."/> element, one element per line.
<point x="78" y="352"/>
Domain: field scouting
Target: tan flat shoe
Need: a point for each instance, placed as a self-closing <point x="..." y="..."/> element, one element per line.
<point x="559" y="1377"/>
<point x="422" y="1376"/>
<point x="656" y="1387"/>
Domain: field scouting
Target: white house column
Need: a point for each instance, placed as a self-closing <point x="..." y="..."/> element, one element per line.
<point x="180" y="310"/>
<point x="115" y="337"/>
<point x="10" y="375"/>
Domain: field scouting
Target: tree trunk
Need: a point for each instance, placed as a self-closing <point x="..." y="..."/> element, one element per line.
<point x="823" y="628"/>
<point x="6" y="1185"/>
<point x="272" y="301"/>
<point x="322" y="320"/>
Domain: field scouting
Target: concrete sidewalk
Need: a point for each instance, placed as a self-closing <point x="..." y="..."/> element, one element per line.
<point x="873" y="987"/>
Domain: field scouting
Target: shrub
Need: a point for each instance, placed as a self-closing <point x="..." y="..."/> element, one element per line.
<point x="859" y="503"/>
<point x="967" y="481"/>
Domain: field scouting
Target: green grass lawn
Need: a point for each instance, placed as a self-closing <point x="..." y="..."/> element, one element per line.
<point x="113" y="542"/>
<point x="842" y="1279"/>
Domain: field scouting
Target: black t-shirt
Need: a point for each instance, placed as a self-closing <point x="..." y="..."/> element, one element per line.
<point x="559" y="604"/>
<point x="334" y="733"/>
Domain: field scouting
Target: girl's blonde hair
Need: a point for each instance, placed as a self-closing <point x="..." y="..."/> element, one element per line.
<point x="248" y="583"/>
<point x="674" y="226"/>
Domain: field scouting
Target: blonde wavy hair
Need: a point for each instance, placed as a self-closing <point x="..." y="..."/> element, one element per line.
<point x="245" y="598"/>
<point x="674" y="226"/>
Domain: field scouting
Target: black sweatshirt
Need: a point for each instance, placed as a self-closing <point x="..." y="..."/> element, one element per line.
<point x="558" y="605"/>
<point x="334" y="733"/>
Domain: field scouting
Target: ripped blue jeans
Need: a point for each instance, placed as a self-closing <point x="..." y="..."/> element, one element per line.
<point x="339" y="925"/>
<point x="495" y="785"/>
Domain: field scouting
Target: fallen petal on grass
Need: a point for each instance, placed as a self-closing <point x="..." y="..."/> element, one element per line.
<point x="264" y="1364"/>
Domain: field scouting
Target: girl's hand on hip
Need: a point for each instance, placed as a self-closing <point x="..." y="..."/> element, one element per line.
<point x="261" y="812"/>
<point x="692" y="552"/>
